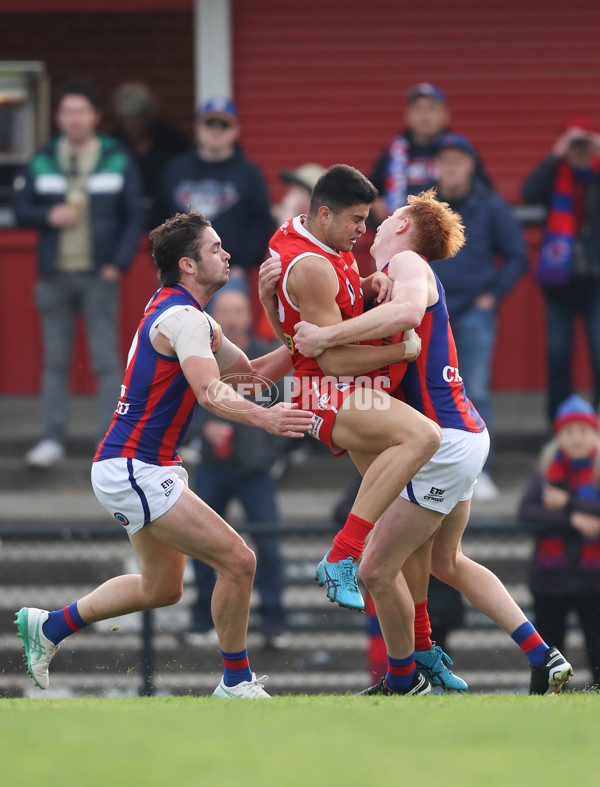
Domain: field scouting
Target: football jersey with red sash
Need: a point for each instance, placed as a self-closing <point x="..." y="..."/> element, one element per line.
<point x="156" y="403"/>
<point x="432" y="384"/>
<point x="313" y="390"/>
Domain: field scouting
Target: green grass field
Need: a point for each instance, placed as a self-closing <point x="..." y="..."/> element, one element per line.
<point x="324" y="740"/>
<point x="333" y="740"/>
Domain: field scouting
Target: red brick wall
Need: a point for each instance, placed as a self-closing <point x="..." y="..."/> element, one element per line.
<point x="20" y="366"/>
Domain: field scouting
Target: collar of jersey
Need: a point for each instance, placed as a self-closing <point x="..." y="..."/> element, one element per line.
<point x="187" y="294"/>
<point x="301" y="230"/>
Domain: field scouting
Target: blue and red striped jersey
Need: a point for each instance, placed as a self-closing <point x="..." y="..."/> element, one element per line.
<point x="156" y="403"/>
<point x="432" y="384"/>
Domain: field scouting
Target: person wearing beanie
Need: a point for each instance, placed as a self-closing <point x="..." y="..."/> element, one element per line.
<point x="575" y="409"/>
<point x="561" y="505"/>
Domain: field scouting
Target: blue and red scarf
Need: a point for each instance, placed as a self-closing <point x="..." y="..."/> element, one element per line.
<point x="396" y="179"/>
<point x="556" y="253"/>
<point x="578" y="477"/>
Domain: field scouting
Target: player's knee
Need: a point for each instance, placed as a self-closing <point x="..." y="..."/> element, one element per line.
<point x="374" y="575"/>
<point x="429" y="437"/>
<point x="444" y="566"/>
<point x="165" y="596"/>
<point x="422" y="436"/>
<point x="172" y="597"/>
<point x="243" y="564"/>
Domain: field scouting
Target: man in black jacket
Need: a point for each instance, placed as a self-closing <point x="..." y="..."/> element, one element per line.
<point x="83" y="192"/>
<point x="407" y="165"/>
<point x="216" y="179"/>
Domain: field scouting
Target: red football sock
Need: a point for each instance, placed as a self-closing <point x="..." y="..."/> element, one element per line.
<point x="422" y="627"/>
<point x="350" y="540"/>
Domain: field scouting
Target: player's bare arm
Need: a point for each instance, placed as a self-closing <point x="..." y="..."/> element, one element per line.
<point x="413" y="282"/>
<point x="188" y="332"/>
<point x="312" y="286"/>
<point x="411" y="294"/>
<point x="270" y="367"/>
<point x="203" y="376"/>
<point x="186" y="335"/>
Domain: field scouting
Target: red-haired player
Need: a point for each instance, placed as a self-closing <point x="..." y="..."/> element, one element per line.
<point x="421" y="531"/>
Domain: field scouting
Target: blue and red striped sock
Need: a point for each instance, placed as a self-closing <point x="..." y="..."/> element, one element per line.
<point x="62" y="623"/>
<point x="531" y="643"/>
<point x="236" y="667"/>
<point x="400" y="672"/>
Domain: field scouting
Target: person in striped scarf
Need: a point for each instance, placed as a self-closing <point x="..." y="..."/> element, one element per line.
<point x="567" y="183"/>
<point x="562" y="505"/>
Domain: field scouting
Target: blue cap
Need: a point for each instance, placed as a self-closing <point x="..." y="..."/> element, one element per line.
<point x="458" y="141"/>
<point x="425" y="89"/>
<point x="218" y="105"/>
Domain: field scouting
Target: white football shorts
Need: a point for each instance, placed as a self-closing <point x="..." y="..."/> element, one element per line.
<point x="451" y="473"/>
<point x="137" y="493"/>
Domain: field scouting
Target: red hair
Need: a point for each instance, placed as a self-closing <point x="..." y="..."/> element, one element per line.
<point x="438" y="231"/>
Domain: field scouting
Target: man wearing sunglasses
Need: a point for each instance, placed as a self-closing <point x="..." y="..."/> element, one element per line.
<point x="216" y="179"/>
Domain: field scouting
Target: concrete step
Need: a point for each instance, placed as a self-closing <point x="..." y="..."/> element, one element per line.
<point x="516" y="413"/>
<point x="312" y="470"/>
<point x="63" y="494"/>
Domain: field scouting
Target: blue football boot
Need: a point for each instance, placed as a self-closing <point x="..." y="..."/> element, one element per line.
<point x="339" y="580"/>
<point x="435" y="665"/>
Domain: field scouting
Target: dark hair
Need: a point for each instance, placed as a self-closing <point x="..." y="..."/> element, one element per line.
<point x="78" y="87"/>
<point x="341" y="187"/>
<point x="178" y="237"/>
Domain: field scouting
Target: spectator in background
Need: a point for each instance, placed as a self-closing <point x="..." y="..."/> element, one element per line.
<point x="567" y="183"/>
<point x="83" y="192"/>
<point x="562" y="505"/>
<point x="216" y="179"/>
<point x="296" y="200"/>
<point x="473" y="281"/>
<point x="235" y="463"/>
<point x="152" y="140"/>
<point x="407" y="164"/>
